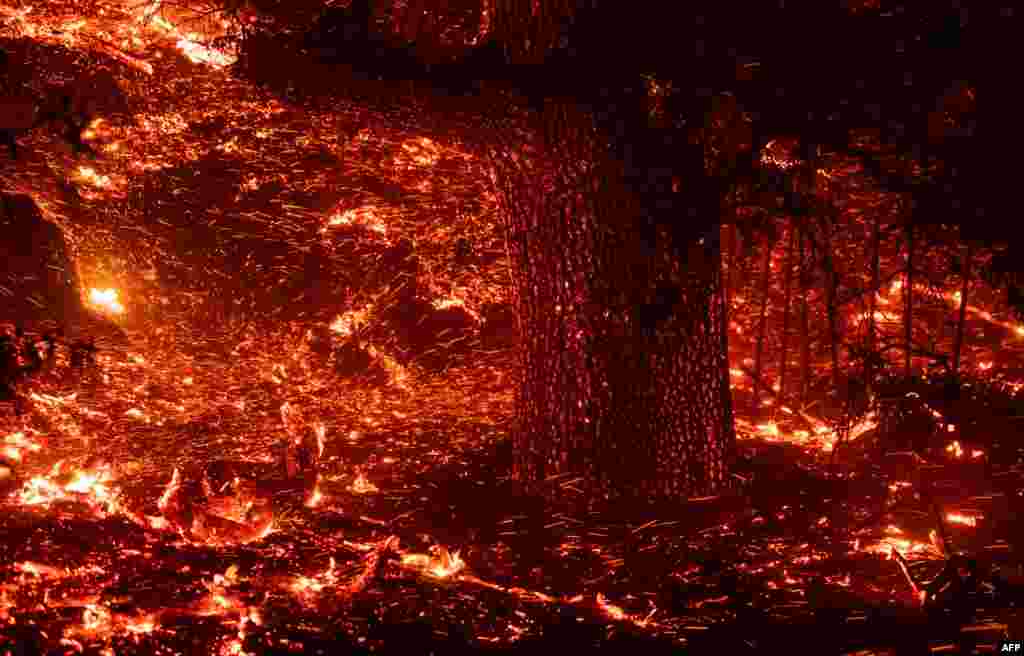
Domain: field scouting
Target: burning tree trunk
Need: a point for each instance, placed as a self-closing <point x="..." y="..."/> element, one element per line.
<point x="786" y="301"/>
<point x="908" y="302"/>
<point x="805" y="323"/>
<point x="766" y="271"/>
<point x="965" y="271"/>
<point x="831" y="283"/>
<point x="625" y="375"/>
<point x="869" y="366"/>
<point x="38" y="279"/>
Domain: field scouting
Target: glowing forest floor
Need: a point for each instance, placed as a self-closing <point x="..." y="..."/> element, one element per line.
<point x="410" y="536"/>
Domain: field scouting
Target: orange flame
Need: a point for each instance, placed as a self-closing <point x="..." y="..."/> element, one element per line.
<point x="957" y="518"/>
<point x="106" y="300"/>
<point x="441" y="566"/>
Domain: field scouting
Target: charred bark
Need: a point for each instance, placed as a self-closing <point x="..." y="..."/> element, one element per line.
<point x="831" y="311"/>
<point x="624" y="370"/>
<point x="869" y="362"/>
<point x="762" y="324"/>
<point x="38" y="282"/>
<point x="786" y="302"/>
<point x="908" y="304"/>
<point x="805" y="323"/>
<point x="958" y="343"/>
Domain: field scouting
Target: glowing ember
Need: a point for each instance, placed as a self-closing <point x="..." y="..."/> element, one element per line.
<point x="955" y="449"/>
<point x="106" y="300"/>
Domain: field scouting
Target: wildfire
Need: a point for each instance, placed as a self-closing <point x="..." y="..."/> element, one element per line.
<point x="190" y="44"/>
<point x="91" y="486"/>
<point x="957" y="451"/>
<point x="905" y="546"/>
<point x="365" y="216"/>
<point x="90" y="176"/>
<point x="308" y="585"/>
<point x="441" y="565"/>
<point x="348" y="323"/>
<point x="362" y="486"/>
<point x="315" y="497"/>
<point x="966" y="520"/>
<point x="15" y="443"/>
<point x="422" y="152"/>
<point x="106" y="300"/>
<point x="169" y="491"/>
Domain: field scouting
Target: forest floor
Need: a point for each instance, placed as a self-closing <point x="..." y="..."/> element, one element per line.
<point x="209" y="213"/>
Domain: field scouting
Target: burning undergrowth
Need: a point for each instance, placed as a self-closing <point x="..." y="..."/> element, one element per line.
<point x="299" y="442"/>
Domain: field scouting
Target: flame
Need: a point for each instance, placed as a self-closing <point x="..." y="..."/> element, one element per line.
<point x="189" y="44"/>
<point x="89" y="486"/>
<point x="95" y="618"/>
<point x="106" y="300"/>
<point x="321" y="434"/>
<point x="441" y="566"/>
<point x="955" y="449"/>
<point x="169" y="491"/>
<point x="957" y="518"/>
<point x="362" y="486"/>
<point x="347" y="323"/>
<point x="90" y="176"/>
<point x="422" y="152"/>
<point x="364" y="216"/>
<point x="905" y="546"/>
<point x="14" y="444"/>
<point x="445" y="303"/>
<point x="315" y="497"/>
<point x="200" y="54"/>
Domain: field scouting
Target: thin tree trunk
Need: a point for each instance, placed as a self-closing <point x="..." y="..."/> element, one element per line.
<point x="786" y="301"/>
<point x="959" y="341"/>
<point x="869" y="363"/>
<point x="762" y="324"/>
<point x="830" y="300"/>
<point x="908" y="303"/>
<point x="732" y="262"/>
<point x="805" y="326"/>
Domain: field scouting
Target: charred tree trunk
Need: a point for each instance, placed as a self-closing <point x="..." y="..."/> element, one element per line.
<point x="831" y="282"/>
<point x="869" y="362"/>
<point x="958" y="343"/>
<point x="786" y="300"/>
<point x="908" y="303"/>
<point x="762" y="323"/>
<point x="731" y="264"/>
<point x="625" y="383"/>
<point x="805" y="324"/>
